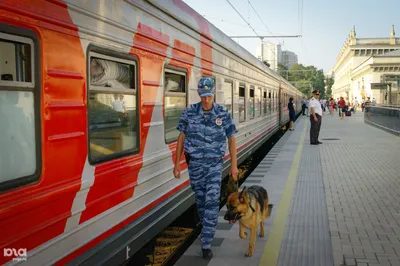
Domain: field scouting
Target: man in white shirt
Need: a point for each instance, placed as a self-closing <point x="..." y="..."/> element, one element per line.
<point x="355" y="104"/>
<point x="315" y="118"/>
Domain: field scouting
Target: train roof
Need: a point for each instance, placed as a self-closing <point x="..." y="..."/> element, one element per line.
<point x="171" y="7"/>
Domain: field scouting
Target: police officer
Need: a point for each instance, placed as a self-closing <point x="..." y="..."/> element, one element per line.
<point x="204" y="127"/>
<point x="315" y="118"/>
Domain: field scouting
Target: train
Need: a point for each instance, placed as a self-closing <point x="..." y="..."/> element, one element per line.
<point x="91" y="93"/>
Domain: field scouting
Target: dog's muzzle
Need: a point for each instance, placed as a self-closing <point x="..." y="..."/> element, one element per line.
<point x="232" y="217"/>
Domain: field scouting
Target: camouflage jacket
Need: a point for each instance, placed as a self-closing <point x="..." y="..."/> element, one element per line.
<point x="206" y="139"/>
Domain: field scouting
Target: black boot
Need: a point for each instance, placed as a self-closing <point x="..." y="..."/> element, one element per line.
<point x="207" y="254"/>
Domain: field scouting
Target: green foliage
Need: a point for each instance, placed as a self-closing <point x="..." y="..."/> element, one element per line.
<point x="305" y="78"/>
<point x="329" y="83"/>
<point x="283" y="70"/>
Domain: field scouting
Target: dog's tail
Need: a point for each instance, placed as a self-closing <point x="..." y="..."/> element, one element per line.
<point x="270" y="206"/>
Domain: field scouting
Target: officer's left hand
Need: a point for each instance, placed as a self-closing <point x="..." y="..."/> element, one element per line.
<point x="234" y="173"/>
<point x="177" y="171"/>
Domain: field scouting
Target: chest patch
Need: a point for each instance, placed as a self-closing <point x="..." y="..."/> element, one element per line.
<point x="218" y="121"/>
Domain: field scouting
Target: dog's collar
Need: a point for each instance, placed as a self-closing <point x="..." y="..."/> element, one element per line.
<point x="251" y="207"/>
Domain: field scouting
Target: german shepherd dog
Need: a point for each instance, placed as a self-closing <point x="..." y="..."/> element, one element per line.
<point x="249" y="207"/>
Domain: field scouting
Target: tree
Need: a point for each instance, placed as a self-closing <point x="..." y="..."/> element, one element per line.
<point x="298" y="72"/>
<point x="329" y="83"/>
<point x="283" y="71"/>
<point x="307" y="77"/>
<point x="318" y="82"/>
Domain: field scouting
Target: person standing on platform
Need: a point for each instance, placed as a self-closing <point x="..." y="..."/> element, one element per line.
<point x="303" y="106"/>
<point x="315" y="118"/>
<point x="204" y="127"/>
<point x="342" y="106"/>
<point x="355" y="104"/>
<point x="292" y="113"/>
<point x="331" y="106"/>
<point x="362" y="105"/>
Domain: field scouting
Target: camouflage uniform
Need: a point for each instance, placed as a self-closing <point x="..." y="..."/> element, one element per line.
<point x="205" y="142"/>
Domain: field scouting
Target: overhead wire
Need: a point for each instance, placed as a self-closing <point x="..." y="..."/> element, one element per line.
<point x="300" y="19"/>
<point x="234" y="23"/>
<point x="262" y="21"/>
<point x="243" y="18"/>
<point x="249" y="25"/>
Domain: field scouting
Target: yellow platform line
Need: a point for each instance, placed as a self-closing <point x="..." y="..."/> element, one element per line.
<point x="272" y="248"/>
<point x="101" y="149"/>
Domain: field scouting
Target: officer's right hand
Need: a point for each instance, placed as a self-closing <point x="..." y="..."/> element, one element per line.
<point x="177" y="171"/>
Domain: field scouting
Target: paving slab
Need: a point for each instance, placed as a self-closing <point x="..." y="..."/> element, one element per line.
<point x="336" y="204"/>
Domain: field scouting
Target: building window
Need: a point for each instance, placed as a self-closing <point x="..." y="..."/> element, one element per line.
<point x="242" y="104"/>
<point x="19" y="109"/>
<point x="174" y="102"/>
<point x="251" y="104"/>
<point x="226" y="100"/>
<point x="112" y="105"/>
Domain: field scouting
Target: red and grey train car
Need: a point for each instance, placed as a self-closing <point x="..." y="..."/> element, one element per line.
<point x="90" y="95"/>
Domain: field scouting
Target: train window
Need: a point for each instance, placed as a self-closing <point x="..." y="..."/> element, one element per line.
<point x="19" y="108"/>
<point x="269" y="102"/>
<point x="226" y="100"/>
<point x="251" y="104"/>
<point x="112" y="106"/>
<point x="174" y="102"/>
<point x="265" y="102"/>
<point x="242" y="103"/>
<point x="258" y="102"/>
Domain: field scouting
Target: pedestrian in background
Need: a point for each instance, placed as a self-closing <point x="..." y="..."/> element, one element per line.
<point x="355" y="104"/>
<point x="342" y="106"/>
<point x="292" y="113"/>
<point x="204" y="127"/>
<point x="303" y="106"/>
<point x="331" y="106"/>
<point x="315" y="118"/>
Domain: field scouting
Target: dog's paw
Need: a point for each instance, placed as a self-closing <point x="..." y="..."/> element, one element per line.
<point x="261" y="234"/>
<point x="243" y="236"/>
<point x="249" y="253"/>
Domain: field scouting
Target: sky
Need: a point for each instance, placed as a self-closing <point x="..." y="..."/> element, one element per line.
<point x="324" y="25"/>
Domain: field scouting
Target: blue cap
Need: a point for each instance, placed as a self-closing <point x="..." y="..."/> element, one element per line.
<point x="206" y="87"/>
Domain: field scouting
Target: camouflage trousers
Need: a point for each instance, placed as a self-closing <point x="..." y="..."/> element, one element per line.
<point x="205" y="180"/>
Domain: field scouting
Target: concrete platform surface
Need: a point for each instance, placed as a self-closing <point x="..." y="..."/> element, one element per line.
<point x="337" y="203"/>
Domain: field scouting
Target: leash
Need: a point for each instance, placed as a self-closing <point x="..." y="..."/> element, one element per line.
<point x="237" y="185"/>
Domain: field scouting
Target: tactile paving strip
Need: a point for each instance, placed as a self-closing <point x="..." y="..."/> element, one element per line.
<point x="306" y="240"/>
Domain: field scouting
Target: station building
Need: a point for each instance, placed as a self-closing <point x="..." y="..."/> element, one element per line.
<point x="368" y="67"/>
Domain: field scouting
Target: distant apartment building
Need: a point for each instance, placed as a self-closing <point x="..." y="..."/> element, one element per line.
<point x="289" y="59"/>
<point x="272" y="54"/>
<point x="368" y="67"/>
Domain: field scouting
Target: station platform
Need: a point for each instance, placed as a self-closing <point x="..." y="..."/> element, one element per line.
<point x="337" y="203"/>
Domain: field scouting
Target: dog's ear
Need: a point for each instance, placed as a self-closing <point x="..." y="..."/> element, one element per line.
<point x="241" y="192"/>
<point x="241" y="195"/>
